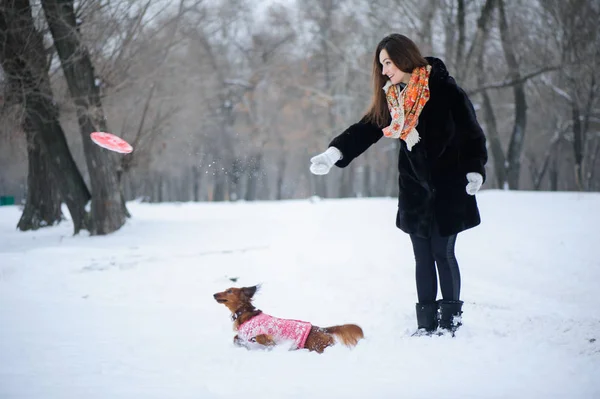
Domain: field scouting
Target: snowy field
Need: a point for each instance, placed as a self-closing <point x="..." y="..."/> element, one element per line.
<point x="131" y="315"/>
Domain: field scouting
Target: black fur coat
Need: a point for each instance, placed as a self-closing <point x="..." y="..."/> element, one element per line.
<point x="432" y="176"/>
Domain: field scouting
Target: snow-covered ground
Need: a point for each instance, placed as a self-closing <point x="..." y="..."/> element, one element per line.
<point x="131" y="315"/>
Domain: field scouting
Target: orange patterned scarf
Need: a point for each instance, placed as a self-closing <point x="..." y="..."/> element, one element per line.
<point x="405" y="106"/>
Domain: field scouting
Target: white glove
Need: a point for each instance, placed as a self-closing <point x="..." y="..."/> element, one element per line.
<point x="475" y="181"/>
<point x="322" y="163"/>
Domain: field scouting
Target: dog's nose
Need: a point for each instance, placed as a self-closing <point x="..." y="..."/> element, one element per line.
<point x="215" y="296"/>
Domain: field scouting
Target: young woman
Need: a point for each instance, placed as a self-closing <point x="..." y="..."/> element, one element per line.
<point x="441" y="166"/>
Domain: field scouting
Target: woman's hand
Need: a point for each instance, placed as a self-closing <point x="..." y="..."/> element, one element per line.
<point x="475" y="182"/>
<point x="322" y="163"/>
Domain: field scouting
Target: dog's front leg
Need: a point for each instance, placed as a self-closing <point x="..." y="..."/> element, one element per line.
<point x="238" y="342"/>
<point x="265" y="340"/>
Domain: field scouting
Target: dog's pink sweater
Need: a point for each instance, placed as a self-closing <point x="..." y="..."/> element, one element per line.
<point x="280" y="330"/>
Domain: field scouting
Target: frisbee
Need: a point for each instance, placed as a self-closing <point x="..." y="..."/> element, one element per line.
<point x="111" y="142"/>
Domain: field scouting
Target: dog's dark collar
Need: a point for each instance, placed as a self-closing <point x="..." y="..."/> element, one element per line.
<point x="235" y="315"/>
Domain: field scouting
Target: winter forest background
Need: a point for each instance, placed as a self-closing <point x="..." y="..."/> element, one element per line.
<point x="228" y="99"/>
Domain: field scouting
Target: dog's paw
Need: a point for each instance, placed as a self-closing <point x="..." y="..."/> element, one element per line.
<point x="238" y="342"/>
<point x="264" y="339"/>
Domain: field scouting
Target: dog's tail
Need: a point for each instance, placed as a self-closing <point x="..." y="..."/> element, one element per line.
<point x="347" y="334"/>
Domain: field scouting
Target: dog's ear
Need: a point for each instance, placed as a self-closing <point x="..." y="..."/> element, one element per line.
<point x="250" y="291"/>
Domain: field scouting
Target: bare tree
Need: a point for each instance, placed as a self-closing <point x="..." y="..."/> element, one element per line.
<point x="538" y="172"/>
<point x="489" y="116"/>
<point x="108" y="210"/>
<point x="51" y="166"/>
<point x="325" y="18"/>
<point x="210" y="39"/>
<point x="132" y="64"/>
<point x="513" y="158"/>
<point x="577" y="85"/>
<point x="464" y="59"/>
<point x="229" y="100"/>
<point x="262" y="71"/>
<point x="507" y="165"/>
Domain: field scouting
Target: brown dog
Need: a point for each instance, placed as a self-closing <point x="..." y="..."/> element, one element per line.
<point x="254" y="326"/>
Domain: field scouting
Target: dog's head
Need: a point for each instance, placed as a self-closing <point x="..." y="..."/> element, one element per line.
<point x="235" y="298"/>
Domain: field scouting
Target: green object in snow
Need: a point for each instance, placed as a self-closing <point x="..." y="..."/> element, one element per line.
<point x="6" y="200"/>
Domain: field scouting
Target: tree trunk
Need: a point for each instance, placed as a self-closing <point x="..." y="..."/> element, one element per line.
<point x="238" y="169"/>
<point x="478" y="48"/>
<point x="160" y="188"/>
<point x="328" y="8"/>
<point x="108" y="208"/>
<point x="577" y="145"/>
<point x="254" y="172"/>
<point x="318" y="186"/>
<point x="390" y="182"/>
<point x="580" y="130"/>
<point x="280" y="177"/>
<point x="480" y="37"/>
<point x="513" y="167"/>
<point x="450" y="36"/>
<point x="489" y="115"/>
<point x="220" y="183"/>
<point x="23" y="59"/>
<point x="592" y="166"/>
<point x="460" y="46"/>
<point x="553" y="174"/>
<point x="537" y="174"/>
<point x="592" y="155"/>
<point x="346" y="186"/>
<point x="197" y="180"/>
<point x="426" y="35"/>
<point x="367" y="183"/>
<point x="42" y="206"/>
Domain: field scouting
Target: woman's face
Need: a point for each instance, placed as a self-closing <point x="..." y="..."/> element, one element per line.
<point x="394" y="74"/>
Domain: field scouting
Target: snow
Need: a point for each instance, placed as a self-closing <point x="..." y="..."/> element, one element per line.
<point x="131" y="315"/>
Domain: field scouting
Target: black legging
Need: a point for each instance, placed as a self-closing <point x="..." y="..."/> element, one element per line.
<point x="429" y="252"/>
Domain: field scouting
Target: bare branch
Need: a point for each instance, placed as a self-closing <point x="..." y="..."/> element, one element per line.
<point x="557" y="90"/>
<point x="510" y="83"/>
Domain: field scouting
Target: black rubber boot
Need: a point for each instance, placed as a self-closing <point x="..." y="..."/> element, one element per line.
<point x="427" y="318"/>
<point x="450" y="315"/>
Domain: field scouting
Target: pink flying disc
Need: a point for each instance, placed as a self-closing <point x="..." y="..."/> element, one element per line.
<point x="111" y="142"/>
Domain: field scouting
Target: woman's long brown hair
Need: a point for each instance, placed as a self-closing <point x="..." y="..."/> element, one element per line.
<point x="406" y="56"/>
